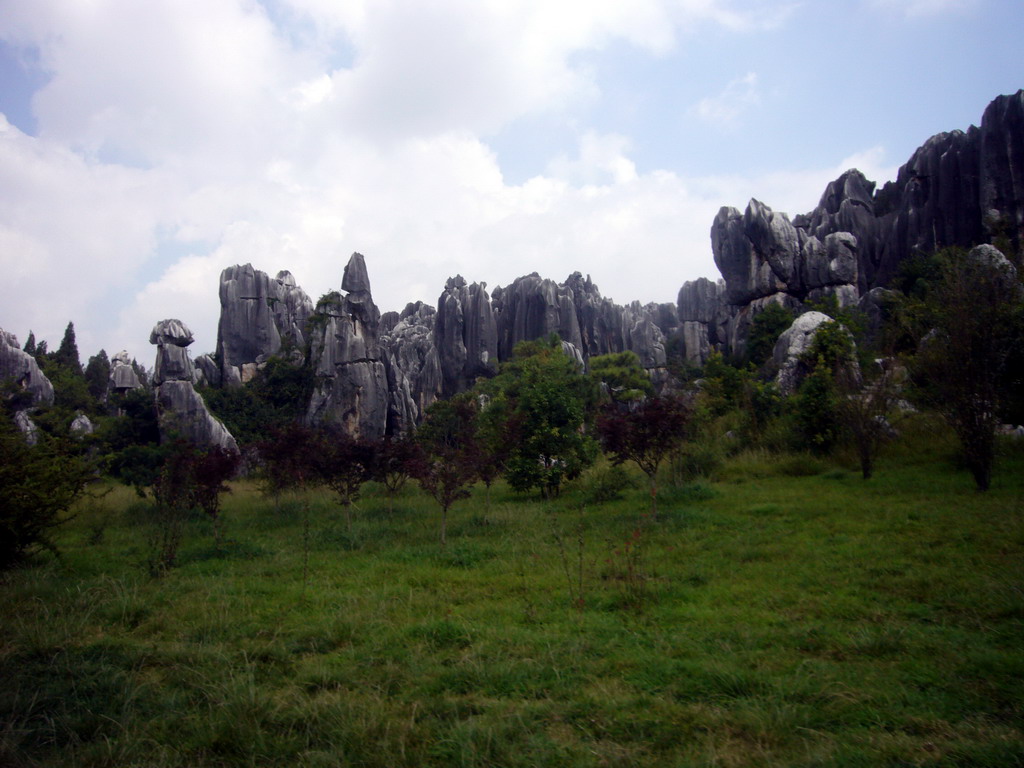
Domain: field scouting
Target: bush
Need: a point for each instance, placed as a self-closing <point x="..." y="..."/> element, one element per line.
<point x="607" y="484"/>
<point x="696" y="460"/>
<point x="37" y="485"/>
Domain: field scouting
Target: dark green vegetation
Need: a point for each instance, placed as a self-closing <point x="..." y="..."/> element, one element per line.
<point x="783" y="613"/>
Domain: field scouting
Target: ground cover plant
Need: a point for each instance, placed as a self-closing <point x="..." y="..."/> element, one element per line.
<point x="781" y="612"/>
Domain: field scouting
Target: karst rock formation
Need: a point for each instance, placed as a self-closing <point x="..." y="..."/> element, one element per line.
<point x="958" y="189"/>
<point x="182" y="411"/>
<point x="376" y="375"/>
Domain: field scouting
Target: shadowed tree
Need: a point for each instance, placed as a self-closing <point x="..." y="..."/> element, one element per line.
<point x="37" y="485"/>
<point x="972" y="321"/>
<point x="622" y="374"/>
<point x="645" y="435"/>
<point x="395" y="460"/>
<point x="343" y="464"/>
<point x="449" y="461"/>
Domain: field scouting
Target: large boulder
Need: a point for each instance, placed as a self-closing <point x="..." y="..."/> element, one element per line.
<point x="123" y="376"/>
<point x="22" y="369"/>
<point x="792" y="344"/>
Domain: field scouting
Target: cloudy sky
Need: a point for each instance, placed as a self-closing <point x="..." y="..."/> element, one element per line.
<point x="147" y="144"/>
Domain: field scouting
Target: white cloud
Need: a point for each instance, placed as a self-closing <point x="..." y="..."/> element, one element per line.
<point x="252" y="144"/>
<point x="725" y="109"/>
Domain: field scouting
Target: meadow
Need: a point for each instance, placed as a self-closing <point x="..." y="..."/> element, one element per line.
<point x="782" y="612"/>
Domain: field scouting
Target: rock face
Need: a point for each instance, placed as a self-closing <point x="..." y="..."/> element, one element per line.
<point x="413" y="366"/>
<point x="958" y="189"/>
<point x="123" y="377"/>
<point x="82" y="425"/>
<point x="181" y="410"/>
<point x="466" y="335"/>
<point x="258" y="315"/>
<point x="533" y="308"/>
<point x="793" y="342"/>
<point x="353" y="389"/>
<point x="21" y="367"/>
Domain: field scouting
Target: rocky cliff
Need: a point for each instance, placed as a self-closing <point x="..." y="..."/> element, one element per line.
<point x="352" y="388"/>
<point x="258" y="315"/>
<point x="377" y="374"/>
<point x="958" y="189"/>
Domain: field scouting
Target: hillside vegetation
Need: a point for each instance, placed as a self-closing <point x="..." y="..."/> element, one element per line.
<point x="781" y="611"/>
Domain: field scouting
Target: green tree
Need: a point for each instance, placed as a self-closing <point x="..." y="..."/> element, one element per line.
<point x="38" y="484"/>
<point x="972" y="322"/>
<point x="645" y="435"/>
<point x="548" y="414"/>
<point x="448" y="461"/>
<point x="765" y="329"/>
<point x="622" y="374"/>
<point x="97" y="376"/>
<point x="815" y="406"/>
<point x="66" y="355"/>
<point x="277" y="395"/>
<point x="343" y="464"/>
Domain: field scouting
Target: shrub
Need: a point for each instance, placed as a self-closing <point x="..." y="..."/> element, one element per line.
<point x="37" y="485"/>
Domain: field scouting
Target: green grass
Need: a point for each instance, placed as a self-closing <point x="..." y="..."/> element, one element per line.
<point x="787" y="614"/>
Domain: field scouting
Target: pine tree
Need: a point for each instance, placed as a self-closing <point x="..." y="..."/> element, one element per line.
<point x="67" y="353"/>
<point x="97" y="375"/>
<point x="30" y="344"/>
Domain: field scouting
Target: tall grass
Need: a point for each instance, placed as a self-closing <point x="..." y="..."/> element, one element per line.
<point x="787" y="613"/>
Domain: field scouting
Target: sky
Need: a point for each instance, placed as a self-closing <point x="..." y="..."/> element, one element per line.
<point x="147" y="145"/>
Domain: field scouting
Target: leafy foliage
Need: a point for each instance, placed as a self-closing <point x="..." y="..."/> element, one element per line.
<point x="622" y="374"/>
<point x="395" y="460"/>
<point x="765" y="329"/>
<point x="645" y="435"/>
<point x="97" y="376"/>
<point x="971" y="318"/>
<point x="449" y="461"/>
<point x="37" y="485"/>
<point x="278" y="394"/>
<point x="548" y="401"/>
<point x="342" y="464"/>
<point x="815" y="407"/>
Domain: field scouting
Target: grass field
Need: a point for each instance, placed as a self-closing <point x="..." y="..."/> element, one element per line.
<point x="786" y="613"/>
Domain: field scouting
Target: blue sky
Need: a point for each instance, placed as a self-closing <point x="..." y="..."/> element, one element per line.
<point x="146" y="146"/>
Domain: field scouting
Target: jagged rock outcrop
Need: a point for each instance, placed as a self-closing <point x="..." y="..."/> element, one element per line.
<point x="258" y="315"/>
<point x="207" y="372"/>
<point x="345" y="349"/>
<point x="123" y="376"/>
<point x="182" y="412"/>
<point x="412" y="363"/>
<point x="533" y="308"/>
<point x="703" y="318"/>
<point x="761" y="253"/>
<point x="466" y="335"/>
<point x="21" y="368"/>
<point x="958" y="189"/>
<point x="791" y="345"/>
